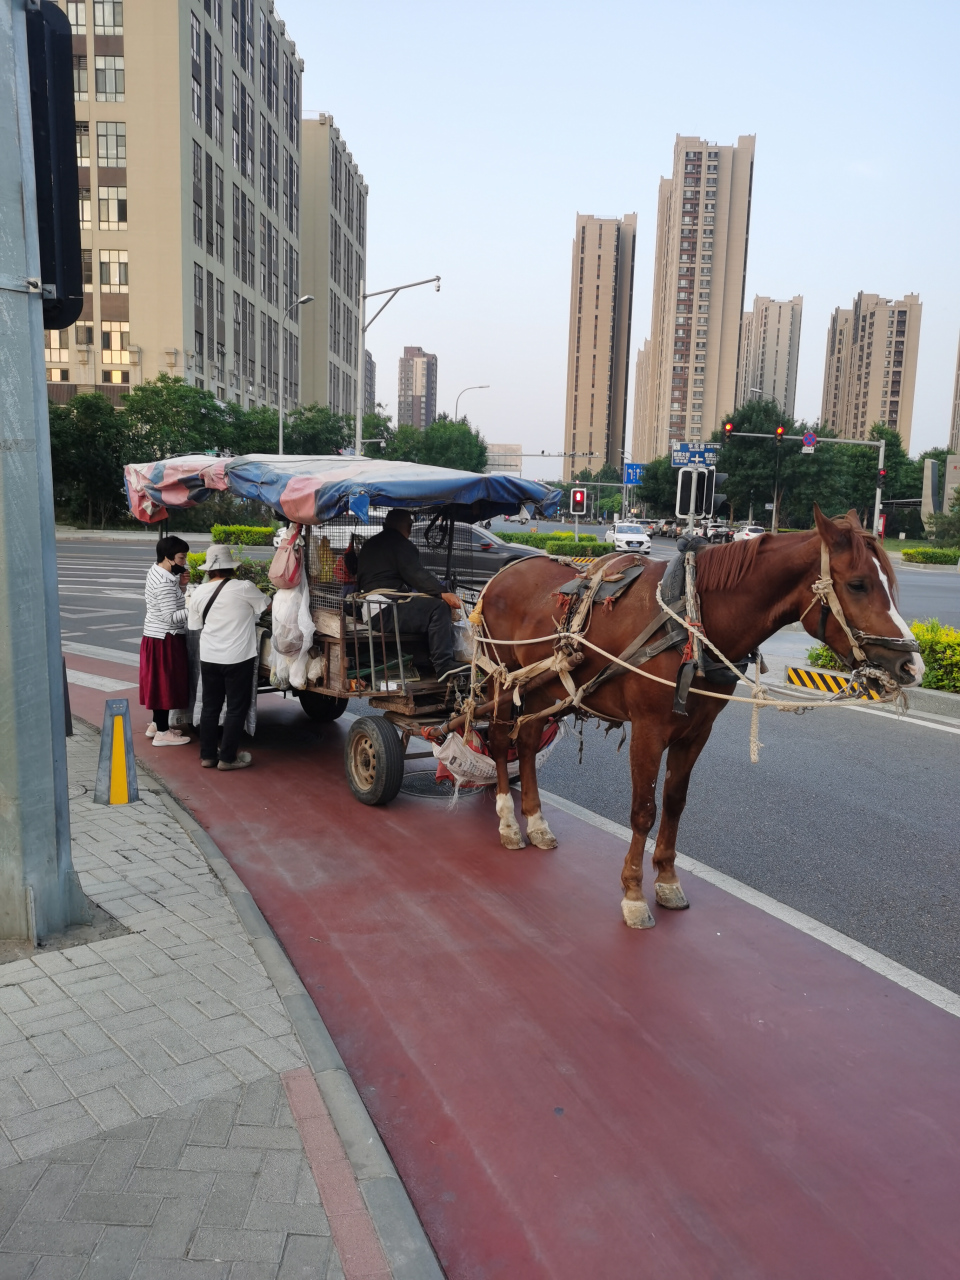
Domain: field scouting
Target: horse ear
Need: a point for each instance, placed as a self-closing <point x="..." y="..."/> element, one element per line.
<point x="830" y="532"/>
<point x="854" y="519"/>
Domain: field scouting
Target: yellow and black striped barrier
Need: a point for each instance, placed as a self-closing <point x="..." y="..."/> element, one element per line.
<point x="117" y="768"/>
<point x="824" y="681"/>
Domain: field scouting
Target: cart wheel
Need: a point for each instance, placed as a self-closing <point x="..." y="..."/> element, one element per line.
<point x="374" y="760"/>
<point x="320" y="706"/>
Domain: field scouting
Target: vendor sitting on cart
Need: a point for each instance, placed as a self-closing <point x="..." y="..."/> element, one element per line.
<point x="391" y="562"/>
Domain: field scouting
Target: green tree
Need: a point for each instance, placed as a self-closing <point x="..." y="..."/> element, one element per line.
<point x="659" y="488"/>
<point x="378" y="432"/>
<point x="89" y="443"/>
<point x="169" y="417"/>
<point x="315" y="428"/>
<point x="444" y="443"/>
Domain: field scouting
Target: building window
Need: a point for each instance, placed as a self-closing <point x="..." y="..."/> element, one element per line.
<point x="108" y="18"/>
<point x="114" y="343"/>
<point x="84" y="208"/>
<point x="195" y="38"/>
<point x="58" y="375"/>
<point x="109" y="75"/>
<point x="112" y="144"/>
<point x="113" y="208"/>
<point x="218" y="126"/>
<point x="113" y="271"/>
<point x="56" y="345"/>
<point x="121" y="376"/>
<point x="80" y="77"/>
<point x="83" y="335"/>
<point x="86" y="263"/>
<point x="83" y="144"/>
<point x="196" y="101"/>
<point x="77" y="13"/>
<point x="198" y="285"/>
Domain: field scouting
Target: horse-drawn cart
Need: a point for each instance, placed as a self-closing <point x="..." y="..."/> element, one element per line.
<point x="358" y="648"/>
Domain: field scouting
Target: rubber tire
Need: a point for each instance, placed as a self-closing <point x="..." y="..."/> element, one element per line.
<point x="374" y="739"/>
<point x="320" y="707"/>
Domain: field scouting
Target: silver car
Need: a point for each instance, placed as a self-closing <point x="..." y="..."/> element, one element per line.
<point x="629" y="537"/>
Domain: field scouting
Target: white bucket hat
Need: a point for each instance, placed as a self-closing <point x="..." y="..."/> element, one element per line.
<point x="218" y="557"/>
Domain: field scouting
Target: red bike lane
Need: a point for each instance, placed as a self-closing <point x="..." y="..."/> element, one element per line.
<point x="722" y="1096"/>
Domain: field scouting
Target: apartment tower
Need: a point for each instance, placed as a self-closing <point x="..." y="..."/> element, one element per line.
<point x="870" y="371"/>
<point x="954" y="438"/>
<point x="417" y="388"/>
<point x="188" y="140"/>
<point x="334" y="253"/>
<point x="703" y="225"/>
<point x="769" y="348"/>
<point x="598" y="351"/>
<point x="369" y="383"/>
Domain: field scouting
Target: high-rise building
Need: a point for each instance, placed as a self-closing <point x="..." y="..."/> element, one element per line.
<point x="417" y="388"/>
<point x="188" y="140"/>
<point x="703" y="224"/>
<point x="769" y="349"/>
<point x="334" y="254"/>
<point x="640" y="392"/>
<point x="598" y="351"/>
<point x="870" y="371"/>
<point x="369" y="383"/>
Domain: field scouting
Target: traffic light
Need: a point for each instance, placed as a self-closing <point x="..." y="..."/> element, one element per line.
<point x="578" y="502"/>
<point x="881" y="477"/>
<point x="727" y="430"/>
<point x="781" y="431"/>
<point x="50" y="61"/>
<point x="712" y="498"/>
<point x="694" y="491"/>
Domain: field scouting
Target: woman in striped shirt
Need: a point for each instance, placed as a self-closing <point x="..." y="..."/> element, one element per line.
<point x="164" y="672"/>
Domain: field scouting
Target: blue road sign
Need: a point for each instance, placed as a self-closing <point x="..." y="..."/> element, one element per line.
<point x="809" y="439"/>
<point x="686" y="455"/>
<point x="633" y="472"/>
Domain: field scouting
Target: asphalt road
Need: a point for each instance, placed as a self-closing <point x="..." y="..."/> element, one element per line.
<point x="849" y="817"/>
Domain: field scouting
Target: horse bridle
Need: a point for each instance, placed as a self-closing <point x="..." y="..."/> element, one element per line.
<point x="823" y="591"/>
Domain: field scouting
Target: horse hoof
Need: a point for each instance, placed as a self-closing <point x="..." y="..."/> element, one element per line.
<point x="672" y="897"/>
<point x="539" y="833"/>
<point x="512" y="840"/>
<point x="637" y="915"/>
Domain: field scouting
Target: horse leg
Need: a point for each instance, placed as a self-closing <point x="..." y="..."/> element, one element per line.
<point x="499" y="743"/>
<point x="681" y="758"/>
<point x="538" y="832"/>
<point x="646" y="748"/>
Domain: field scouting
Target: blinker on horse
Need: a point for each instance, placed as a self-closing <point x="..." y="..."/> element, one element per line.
<point x="747" y="591"/>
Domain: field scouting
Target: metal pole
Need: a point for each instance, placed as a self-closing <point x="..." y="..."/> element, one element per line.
<point x="39" y="890"/>
<point x="877" y="502"/>
<point x="283" y="321"/>
<point x="361" y="378"/>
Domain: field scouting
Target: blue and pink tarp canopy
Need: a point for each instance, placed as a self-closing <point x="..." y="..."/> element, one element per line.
<point x="310" y="490"/>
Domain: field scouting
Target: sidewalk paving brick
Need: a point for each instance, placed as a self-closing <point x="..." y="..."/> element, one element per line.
<point x="144" y="1130"/>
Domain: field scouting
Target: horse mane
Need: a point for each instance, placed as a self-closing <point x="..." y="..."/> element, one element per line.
<point x="722" y="568"/>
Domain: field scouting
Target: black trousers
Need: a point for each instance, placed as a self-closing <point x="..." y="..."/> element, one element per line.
<point x="232" y="681"/>
<point x="430" y="616"/>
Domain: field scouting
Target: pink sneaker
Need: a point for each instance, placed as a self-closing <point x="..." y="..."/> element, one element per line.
<point x="170" y="738"/>
<point x="151" y="730"/>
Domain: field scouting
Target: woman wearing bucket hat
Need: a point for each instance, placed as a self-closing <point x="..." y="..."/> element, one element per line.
<point x="225" y="610"/>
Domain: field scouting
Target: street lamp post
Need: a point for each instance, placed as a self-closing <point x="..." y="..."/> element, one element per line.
<point x="307" y="297"/>
<point x="361" y="347"/>
<point x="480" y="386"/>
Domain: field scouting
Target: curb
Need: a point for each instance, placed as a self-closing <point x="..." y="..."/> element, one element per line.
<point x="921" y="702"/>
<point x="405" y="1243"/>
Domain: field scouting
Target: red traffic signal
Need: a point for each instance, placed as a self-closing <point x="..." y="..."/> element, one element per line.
<point x="578" y="502"/>
<point x="727" y="430"/>
<point x="780" y="432"/>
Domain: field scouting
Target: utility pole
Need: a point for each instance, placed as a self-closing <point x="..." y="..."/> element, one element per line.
<point x="39" y="890"/>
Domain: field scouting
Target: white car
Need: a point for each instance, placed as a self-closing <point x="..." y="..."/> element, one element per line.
<point x="748" y="533"/>
<point x="629" y="537"/>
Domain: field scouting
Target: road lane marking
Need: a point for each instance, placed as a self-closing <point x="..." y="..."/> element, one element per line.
<point x="104" y="655"/>
<point x="870" y="959"/>
<point x="90" y="681"/>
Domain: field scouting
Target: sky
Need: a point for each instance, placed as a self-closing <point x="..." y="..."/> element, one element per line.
<point x="482" y="130"/>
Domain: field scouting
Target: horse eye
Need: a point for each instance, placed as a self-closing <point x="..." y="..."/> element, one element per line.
<point x="857" y="584"/>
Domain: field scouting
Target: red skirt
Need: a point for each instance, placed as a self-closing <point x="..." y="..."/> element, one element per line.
<point x="164" y="673"/>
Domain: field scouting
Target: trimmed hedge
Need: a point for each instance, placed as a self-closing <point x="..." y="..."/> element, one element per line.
<point x="243" y="535"/>
<point x="586" y="550"/>
<point x="939" y="649"/>
<point x="932" y="555"/>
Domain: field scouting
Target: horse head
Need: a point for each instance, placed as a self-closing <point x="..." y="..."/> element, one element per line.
<point x="864" y="593"/>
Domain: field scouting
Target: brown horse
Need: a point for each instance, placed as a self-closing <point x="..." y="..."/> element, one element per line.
<point x="748" y="590"/>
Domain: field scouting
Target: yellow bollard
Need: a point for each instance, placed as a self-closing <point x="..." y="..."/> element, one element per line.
<point x="117" y="769"/>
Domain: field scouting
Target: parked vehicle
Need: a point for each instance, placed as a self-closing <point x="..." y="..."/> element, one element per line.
<point x="719" y="533"/>
<point x="748" y="532"/>
<point x="630" y="537"/>
<point x="477" y="555"/>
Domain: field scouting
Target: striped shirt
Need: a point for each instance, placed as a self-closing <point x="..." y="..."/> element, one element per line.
<point x="166" y="605"/>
